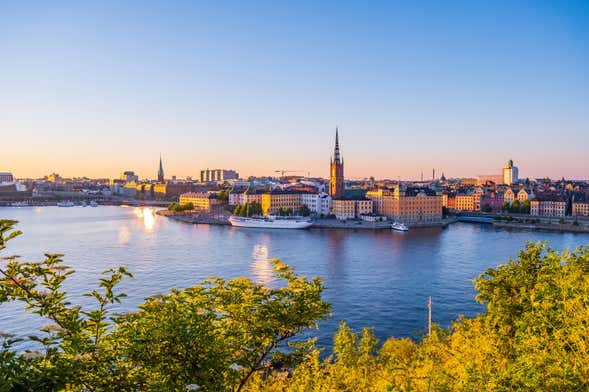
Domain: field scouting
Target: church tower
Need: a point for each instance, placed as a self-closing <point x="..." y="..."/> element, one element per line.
<point x="336" y="172"/>
<point x="160" y="172"/>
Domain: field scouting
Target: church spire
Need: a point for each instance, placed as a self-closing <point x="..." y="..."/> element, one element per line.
<point x="160" y="172"/>
<point x="336" y="153"/>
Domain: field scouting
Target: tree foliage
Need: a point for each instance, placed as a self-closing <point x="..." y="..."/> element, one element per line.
<point x="238" y="335"/>
<point x="216" y="335"/>
<point x="175" y="207"/>
<point x="534" y="336"/>
<point x="252" y="208"/>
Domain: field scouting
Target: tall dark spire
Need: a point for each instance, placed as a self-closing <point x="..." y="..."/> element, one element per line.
<point x="160" y="172"/>
<point x="336" y="153"/>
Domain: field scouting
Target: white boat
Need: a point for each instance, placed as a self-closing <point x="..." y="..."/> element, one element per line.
<point x="93" y="203"/>
<point x="84" y="204"/>
<point x="271" y="222"/>
<point x="65" y="204"/>
<point x="399" y="226"/>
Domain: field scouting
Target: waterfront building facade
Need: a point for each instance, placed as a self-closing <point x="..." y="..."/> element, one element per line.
<point x="318" y="203"/>
<point x="344" y="209"/>
<point x="581" y="208"/>
<point x="468" y="202"/>
<point x="409" y="205"/>
<point x="336" y="171"/>
<point x="548" y="207"/>
<point x="201" y="201"/>
<point x="278" y="199"/>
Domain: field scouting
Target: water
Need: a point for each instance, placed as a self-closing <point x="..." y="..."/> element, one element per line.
<point x="380" y="279"/>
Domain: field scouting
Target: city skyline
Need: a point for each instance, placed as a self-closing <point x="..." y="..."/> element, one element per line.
<point x="95" y="89"/>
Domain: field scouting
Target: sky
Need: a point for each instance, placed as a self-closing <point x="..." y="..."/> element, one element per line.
<point x="96" y="88"/>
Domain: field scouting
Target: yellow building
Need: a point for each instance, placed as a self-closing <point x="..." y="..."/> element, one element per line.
<point x="275" y="200"/>
<point x="468" y="202"/>
<point x="201" y="201"/>
<point x="407" y="205"/>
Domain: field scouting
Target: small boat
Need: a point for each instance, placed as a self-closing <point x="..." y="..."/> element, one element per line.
<point x="84" y="204"/>
<point x="65" y="204"/>
<point x="271" y="222"/>
<point x="399" y="226"/>
<point x="93" y="203"/>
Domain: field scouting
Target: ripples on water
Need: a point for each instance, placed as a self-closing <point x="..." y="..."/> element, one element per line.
<point x="380" y="279"/>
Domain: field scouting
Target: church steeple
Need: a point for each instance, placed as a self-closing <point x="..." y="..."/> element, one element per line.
<point x="336" y="170"/>
<point x="336" y="153"/>
<point x="160" y="172"/>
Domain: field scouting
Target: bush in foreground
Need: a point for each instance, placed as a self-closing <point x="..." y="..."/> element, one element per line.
<point x="214" y="336"/>
<point x="534" y="336"/>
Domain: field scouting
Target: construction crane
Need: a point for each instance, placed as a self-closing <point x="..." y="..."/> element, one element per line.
<point x="291" y="171"/>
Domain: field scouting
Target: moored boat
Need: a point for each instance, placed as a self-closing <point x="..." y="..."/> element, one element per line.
<point x="271" y="222"/>
<point x="399" y="226"/>
<point x="65" y="204"/>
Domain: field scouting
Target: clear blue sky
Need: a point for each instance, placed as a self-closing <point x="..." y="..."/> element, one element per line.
<point x="96" y="88"/>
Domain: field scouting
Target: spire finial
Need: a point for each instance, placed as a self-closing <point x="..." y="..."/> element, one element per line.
<point x="336" y="154"/>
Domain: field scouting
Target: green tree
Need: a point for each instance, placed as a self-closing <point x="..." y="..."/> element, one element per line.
<point x="486" y="208"/>
<point x="515" y="207"/>
<point x="224" y="195"/>
<point x="525" y="207"/>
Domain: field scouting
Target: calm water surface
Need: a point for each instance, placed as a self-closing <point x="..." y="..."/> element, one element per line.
<point x="380" y="279"/>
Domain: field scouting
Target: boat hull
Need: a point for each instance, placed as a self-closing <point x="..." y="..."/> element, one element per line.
<point x="261" y="223"/>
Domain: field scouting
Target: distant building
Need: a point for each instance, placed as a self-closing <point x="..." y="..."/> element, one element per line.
<point x="160" y="172"/>
<point x="493" y="200"/>
<point x="128" y="176"/>
<point x="525" y="194"/>
<point x="54" y="177"/>
<point x="215" y="175"/>
<point x="509" y="195"/>
<point x="469" y="182"/>
<point x="336" y="171"/>
<point x="483" y="179"/>
<point x="6" y="177"/>
<point x="510" y="173"/>
<point x="171" y="189"/>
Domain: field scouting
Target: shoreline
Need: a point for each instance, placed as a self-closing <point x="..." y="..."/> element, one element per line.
<point x="318" y="224"/>
<point x="555" y="227"/>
